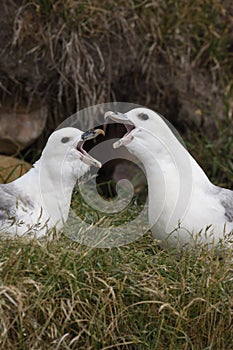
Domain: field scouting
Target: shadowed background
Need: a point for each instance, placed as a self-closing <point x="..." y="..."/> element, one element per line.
<point x="57" y="57"/>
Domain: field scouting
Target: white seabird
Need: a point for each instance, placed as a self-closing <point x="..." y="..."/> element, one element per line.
<point x="40" y="199"/>
<point x="184" y="206"/>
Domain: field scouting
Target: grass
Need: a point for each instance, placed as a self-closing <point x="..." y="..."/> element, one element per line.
<point x="58" y="294"/>
<point x="11" y="172"/>
<point x="61" y="295"/>
<point x="72" y="46"/>
<point x="214" y="153"/>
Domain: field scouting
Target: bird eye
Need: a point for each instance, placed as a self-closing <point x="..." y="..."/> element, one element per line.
<point x="65" y="139"/>
<point x="143" y="116"/>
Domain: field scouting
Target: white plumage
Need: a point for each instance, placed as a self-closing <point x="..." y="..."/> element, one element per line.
<point x="184" y="206"/>
<point x="40" y="199"/>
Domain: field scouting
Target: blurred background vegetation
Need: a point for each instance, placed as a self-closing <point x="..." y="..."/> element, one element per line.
<point x="57" y="57"/>
<point x="79" y="53"/>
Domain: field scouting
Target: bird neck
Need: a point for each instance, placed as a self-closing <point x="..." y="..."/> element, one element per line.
<point x="51" y="190"/>
<point x="56" y="189"/>
<point x="172" y="176"/>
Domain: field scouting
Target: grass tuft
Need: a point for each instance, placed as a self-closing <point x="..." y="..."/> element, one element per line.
<point x="61" y="295"/>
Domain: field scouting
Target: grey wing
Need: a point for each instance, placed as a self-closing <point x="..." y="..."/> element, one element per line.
<point x="226" y="199"/>
<point x="8" y="200"/>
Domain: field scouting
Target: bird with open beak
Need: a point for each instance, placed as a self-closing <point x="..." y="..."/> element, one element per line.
<point x="184" y="206"/>
<point x="40" y="199"/>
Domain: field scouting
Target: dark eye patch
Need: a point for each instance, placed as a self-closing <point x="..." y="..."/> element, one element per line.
<point x="143" y="116"/>
<point x="65" y="139"/>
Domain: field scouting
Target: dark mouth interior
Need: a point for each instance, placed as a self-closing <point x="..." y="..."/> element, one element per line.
<point x="84" y="146"/>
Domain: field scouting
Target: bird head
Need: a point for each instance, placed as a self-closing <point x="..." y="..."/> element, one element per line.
<point x="140" y="124"/>
<point x="64" y="149"/>
<point x="147" y="132"/>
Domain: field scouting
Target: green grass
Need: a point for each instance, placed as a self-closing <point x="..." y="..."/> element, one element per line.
<point x="214" y="153"/>
<point x="58" y="294"/>
<point x="61" y="295"/>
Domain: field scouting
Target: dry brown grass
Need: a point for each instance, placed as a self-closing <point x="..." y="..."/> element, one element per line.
<point x="170" y="56"/>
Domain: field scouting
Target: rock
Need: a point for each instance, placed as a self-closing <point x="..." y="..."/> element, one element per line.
<point x="12" y="168"/>
<point x="20" y="126"/>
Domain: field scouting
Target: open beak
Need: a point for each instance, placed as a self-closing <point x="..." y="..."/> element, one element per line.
<point x="123" y="119"/>
<point x="85" y="157"/>
<point x="117" y="116"/>
<point x="92" y="134"/>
